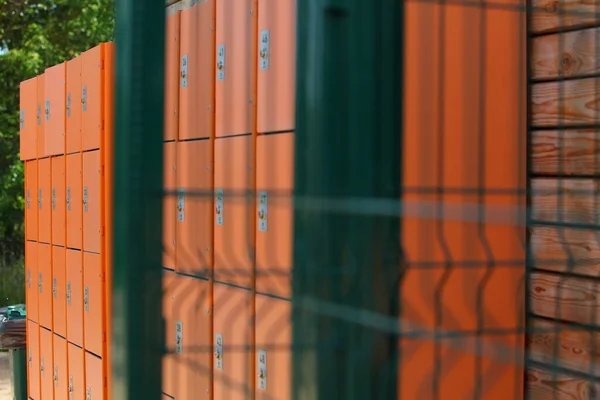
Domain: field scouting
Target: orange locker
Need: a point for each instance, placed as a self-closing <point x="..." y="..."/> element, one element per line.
<point x="234" y="61"/>
<point x="44" y="200"/>
<point x="234" y="211"/>
<point x="60" y="372"/>
<point x="46" y="364"/>
<point x="54" y="109"/>
<point x="93" y="303"/>
<point x="194" y="211"/>
<point x="74" y="297"/>
<point x="31" y="280"/>
<point x="41" y="121"/>
<point x="188" y="325"/>
<point x="196" y="81"/>
<point x="73" y="105"/>
<point x="273" y="348"/>
<point x="92" y="201"/>
<point x="276" y="65"/>
<point x="28" y="119"/>
<point x="169" y="205"/>
<point x="59" y="292"/>
<point x="274" y="229"/>
<point x="31" y="204"/>
<point x="76" y="378"/>
<point x="73" y="200"/>
<point x="33" y="360"/>
<point x="92" y="81"/>
<point x="233" y="363"/>
<point x="94" y="377"/>
<point x="172" y="77"/>
<point x="57" y="200"/>
<point x="45" y="284"/>
<point x="170" y="362"/>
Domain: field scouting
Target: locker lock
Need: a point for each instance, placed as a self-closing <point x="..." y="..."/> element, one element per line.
<point x="42" y="366"/>
<point x="56" y="375"/>
<point x="220" y="65"/>
<point x="30" y="359"/>
<point x="264" y="53"/>
<point x="71" y="387"/>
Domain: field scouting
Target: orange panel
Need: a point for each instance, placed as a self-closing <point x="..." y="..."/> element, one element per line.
<point x="172" y="77"/>
<point x="94" y="377"/>
<point x="41" y="121"/>
<point x="31" y="280"/>
<point x="92" y="65"/>
<point x="76" y="377"/>
<point x="93" y="303"/>
<point x="275" y="176"/>
<point x="55" y="109"/>
<point x="31" y="202"/>
<point x="273" y="348"/>
<point x="169" y="205"/>
<point x="73" y="105"/>
<point x="45" y="284"/>
<point x="57" y="200"/>
<point x="75" y="297"/>
<point x="33" y="360"/>
<point x="276" y="65"/>
<point x="196" y="94"/>
<point x="234" y="72"/>
<point x="194" y="211"/>
<point x="233" y="369"/>
<point x="234" y="218"/>
<point x="60" y="371"/>
<point x="59" y="291"/>
<point x="74" y="201"/>
<point x="28" y="119"/>
<point x="46" y="364"/>
<point x="44" y="200"/>
<point x="92" y="202"/>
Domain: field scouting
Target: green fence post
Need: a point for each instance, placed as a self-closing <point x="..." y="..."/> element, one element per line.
<point x="137" y="342"/>
<point x="18" y="373"/>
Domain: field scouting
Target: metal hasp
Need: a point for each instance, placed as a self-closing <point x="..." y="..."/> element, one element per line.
<point x="221" y="62"/>
<point x="347" y="264"/>
<point x="137" y="342"/>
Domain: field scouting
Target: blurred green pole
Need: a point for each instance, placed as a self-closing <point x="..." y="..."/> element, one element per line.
<point x="138" y="343"/>
<point x="347" y="263"/>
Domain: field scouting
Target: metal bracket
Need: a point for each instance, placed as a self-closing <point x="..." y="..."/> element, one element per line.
<point x="40" y="282"/>
<point x="39" y="114"/>
<point x="219" y="351"/>
<point x="263" y="54"/>
<point x="30" y="359"/>
<point x="53" y="198"/>
<point x="56" y="375"/>
<point x="262" y="369"/>
<point x="28" y="198"/>
<point x="22" y="119"/>
<point x="47" y="110"/>
<point x="28" y="278"/>
<point x="86" y="303"/>
<point x="219" y="209"/>
<point x="68" y="104"/>
<point x="221" y="62"/>
<point x="263" y="224"/>
<point x="181" y="205"/>
<point x="54" y="287"/>
<point x="84" y="98"/>
<point x="68" y="293"/>
<point x="85" y="199"/>
<point x="184" y="71"/>
<point x="88" y="393"/>
<point x="179" y="337"/>
<point x="40" y="198"/>
<point x="71" y="388"/>
<point x="68" y="199"/>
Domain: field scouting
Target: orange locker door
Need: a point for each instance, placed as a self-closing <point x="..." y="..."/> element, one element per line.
<point x="74" y="297"/>
<point x="54" y="109"/>
<point x="73" y="200"/>
<point x="275" y="175"/>
<point x="94" y="377"/>
<point x="45" y="284"/>
<point x="92" y="201"/>
<point x="44" y="200"/>
<point x="27" y="119"/>
<point x="33" y="360"/>
<point x="73" y="105"/>
<point x="234" y="211"/>
<point x="234" y="67"/>
<point x="172" y="77"/>
<point x="276" y="65"/>
<point x="39" y="113"/>
<point x="59" y="292"/>
<point x="196" y="82"/>
<point x="233" y="372"/>
<point x="93" y="303"/>
<point x="57" y="200"/>
<point x="76" y="386"/>
<point x="60" y="372"/>
<point x="31" y="279"/>
<point x="31" y="204"/>
<point x="169" y="205"/>
<point x="194" y="207"/>
<point x="273" y="348"/>
<point x="170" y="360"/>
<point x="46" y="364"/>
<point x="92" y="66"/>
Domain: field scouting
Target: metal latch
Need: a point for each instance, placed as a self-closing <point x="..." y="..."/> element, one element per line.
<point x="28" y="198"/>
<point x="47" y="110"/>
<point x="68" y="199"/>
<point x="85" y="199"/>
<point x="40" y="282"/>
<point x="40" y="198"/>
<point x="39" y="114"/>
<point x="53" y="198"/>
<point x="88" y="393"/>
<point x="42" y="366"/>
<point x="221" y="62"/>
<point x="54" y="287"/>
<point x="86" y="293"/>
<point x="22" y="119"/>
<point x="263" y="55"/>
<point x="219" y="351"/>
<point x="68" y="293"/>
<point x="71" y="389"/>
<point x="219" y="210"/>
<point x="262" y="370"/>
<point x="84" y="98"/>
<point x="30" y="359"/>
<point x="68" y="104"/>
<point x="179" y="337"/>
<point x="180" y="205"/>
<point x="28" y="278"/>
<point x="262" y="212"/>
<point x="56" y="375"/>
<point x="184" y="71"/>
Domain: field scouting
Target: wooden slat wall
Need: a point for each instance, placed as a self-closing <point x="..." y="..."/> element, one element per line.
<point x="565" y="166"/>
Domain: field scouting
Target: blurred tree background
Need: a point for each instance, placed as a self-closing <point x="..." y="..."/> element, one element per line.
<point x="34" y="35"/>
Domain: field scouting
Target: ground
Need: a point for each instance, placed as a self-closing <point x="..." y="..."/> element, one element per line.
<point x="5" y="389"/>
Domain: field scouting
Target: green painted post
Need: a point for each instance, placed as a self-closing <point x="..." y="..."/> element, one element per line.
<point x="138" y="329"/>
<point x="18" y="373"/>
<point x="347" y="257"/>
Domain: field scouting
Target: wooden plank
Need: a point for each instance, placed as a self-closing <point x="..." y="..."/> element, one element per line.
<point x="544" y="385"/>
<point x="564" y="200"/>
<point x="569" y="54"/>
<point x="577" y="100"/>
<point x="550" y="15"/>
<point x="580" y="152"/>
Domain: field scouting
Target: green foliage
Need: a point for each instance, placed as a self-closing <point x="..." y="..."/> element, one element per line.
<point x="35" y="35"/>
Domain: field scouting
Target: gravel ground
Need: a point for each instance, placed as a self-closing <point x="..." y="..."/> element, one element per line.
<point x="5" y="389"/>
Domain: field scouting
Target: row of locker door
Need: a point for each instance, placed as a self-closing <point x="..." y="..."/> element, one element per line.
<point x="63" y="201"/>
<point x="65" y="293"/>
<point x="59" y="370"/>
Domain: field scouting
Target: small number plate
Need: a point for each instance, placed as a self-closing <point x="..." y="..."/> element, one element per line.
<point x="262" y="369"/>
<point x="219" y="351"/>
<point x="84" y="98"/>
<point x="262" y="212"/>
<point x="181" y="205"/>
<point x="219" y="207"/>
<point x="221" y="62"/>
<point x="179" y="337"/>
<point x="184" y="71"/>
<point x="263" y="55"/>
<point x="86" y="298"/>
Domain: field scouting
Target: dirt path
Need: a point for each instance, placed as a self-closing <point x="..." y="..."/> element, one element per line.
<point x="5" y="389"/>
